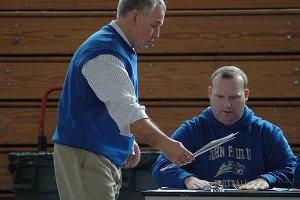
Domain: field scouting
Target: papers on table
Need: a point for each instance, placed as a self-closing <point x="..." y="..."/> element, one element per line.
<point x="207" y="147"/>
<point x="167" y="189"/>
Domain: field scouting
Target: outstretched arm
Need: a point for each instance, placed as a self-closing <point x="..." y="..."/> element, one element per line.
<point x="148" y="133"/>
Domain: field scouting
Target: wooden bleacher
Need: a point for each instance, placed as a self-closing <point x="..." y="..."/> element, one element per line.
<point x="38" y="38"/>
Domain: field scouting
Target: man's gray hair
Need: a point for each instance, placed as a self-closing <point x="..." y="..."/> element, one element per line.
<point x="126" y="6"/>
<point x="229" y="72"/>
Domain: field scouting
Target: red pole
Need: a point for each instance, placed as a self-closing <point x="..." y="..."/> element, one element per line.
<point x="42" y="140"/>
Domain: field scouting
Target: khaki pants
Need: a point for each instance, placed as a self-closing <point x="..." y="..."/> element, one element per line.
<point x="83" y="175"/>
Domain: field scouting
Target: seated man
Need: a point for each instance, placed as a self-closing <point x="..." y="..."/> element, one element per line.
<point x="258" y="158"/>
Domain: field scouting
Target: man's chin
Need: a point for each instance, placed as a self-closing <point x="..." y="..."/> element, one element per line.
<point x="142" y="47"/>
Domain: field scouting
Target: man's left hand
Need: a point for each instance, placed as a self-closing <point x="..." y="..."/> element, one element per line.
<point x="257" y="184"/>
<point x="134" y="157"/>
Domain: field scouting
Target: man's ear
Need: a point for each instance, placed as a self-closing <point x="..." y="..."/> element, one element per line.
<point x="209" y="90"/>
<point x="246" y="94"/>
<point x="134" y="16"/>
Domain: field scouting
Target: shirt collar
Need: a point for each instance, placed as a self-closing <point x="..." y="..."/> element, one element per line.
<point x="119" y="30"/>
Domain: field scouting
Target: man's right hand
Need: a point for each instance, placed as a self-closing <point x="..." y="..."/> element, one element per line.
<point x="147" y="132"/>
<point x="176" y="152"/>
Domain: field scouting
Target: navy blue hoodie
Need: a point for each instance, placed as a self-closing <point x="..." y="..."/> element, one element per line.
<point x="259" y="150"/>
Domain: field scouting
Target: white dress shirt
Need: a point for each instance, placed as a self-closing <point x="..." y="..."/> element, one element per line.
<point x="109" y="80"/>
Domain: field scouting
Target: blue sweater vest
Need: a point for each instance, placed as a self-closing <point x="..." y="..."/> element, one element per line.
<point x="83" y="120"/>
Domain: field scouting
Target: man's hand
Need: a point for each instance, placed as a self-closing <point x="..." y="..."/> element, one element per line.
<point x="177" y="153"/>
<point x="194" y="183"/>
<point x="147" y="132"/>
<point x="134" y="157"/>
<point x="257" y="184"/>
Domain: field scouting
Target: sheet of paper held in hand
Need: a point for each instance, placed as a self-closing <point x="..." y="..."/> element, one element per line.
<point x="207" y="147"/>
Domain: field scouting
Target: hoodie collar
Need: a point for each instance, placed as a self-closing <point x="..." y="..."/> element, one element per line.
<point x="247" y="118"/>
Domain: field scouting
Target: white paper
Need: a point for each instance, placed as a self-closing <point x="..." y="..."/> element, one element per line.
<point x="207" y="147"/>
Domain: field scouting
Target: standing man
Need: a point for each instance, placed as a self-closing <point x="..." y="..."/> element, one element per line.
<point x="258" y="158"/>
<point x="99" y="116"/>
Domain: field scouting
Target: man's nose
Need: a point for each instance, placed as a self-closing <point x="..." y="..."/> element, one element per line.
<point x="227" y="103"/>
<point x="157" y="32"/>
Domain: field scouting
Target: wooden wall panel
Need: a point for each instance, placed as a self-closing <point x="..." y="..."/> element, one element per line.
<point x="47" y="34"/>
<point x="20" y="126"/>
<point x="29" y="80"/>
<point x="164" y="79"/>
<point x="171" y="4"/>
<point x="197" y="32"/>
<point x="229" y="32"/>
<point x="179" y="80"/>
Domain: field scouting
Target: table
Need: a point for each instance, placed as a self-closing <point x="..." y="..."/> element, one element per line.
<point x="171" y="194"/>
